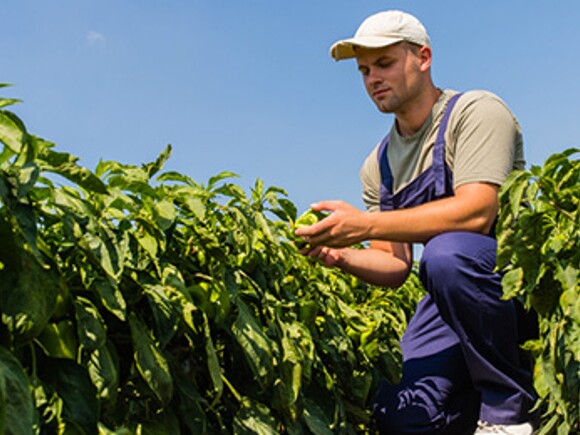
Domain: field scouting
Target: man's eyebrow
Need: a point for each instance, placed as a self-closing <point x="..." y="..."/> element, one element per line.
<point x="380" y="59"/>
<point x="383" y="58"/>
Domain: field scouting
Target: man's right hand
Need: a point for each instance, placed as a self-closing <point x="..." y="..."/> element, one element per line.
<point x="330" y="257"/>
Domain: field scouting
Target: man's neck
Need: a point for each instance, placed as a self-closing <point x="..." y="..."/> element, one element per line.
<point x="412" y="118"/>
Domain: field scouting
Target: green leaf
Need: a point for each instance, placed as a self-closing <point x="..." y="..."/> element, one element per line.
<point x="103" y="430"/>
<point x="150" y="361"/>
<point x="104" y="251"/>
<point x="103" y="369"/>
<point x="79" y="398"/>
<point x="72" y="205"/>
<point x="64" y="164"/>
<point x="14" y="187"/>
<point x="172" y="277"/>
<point x="27" y="177"/>
<point x="28" y="291"/>
<point x="287" y="211"/>
<point x="265" y="227"/>
<point x="16" y="405"/>
<point x="58" y="340"/>
<point x="148" y="242"/>
<point x="255" y="344"/>
<point x="549" y="425"/>
<point x="176" y="176"/>
<point x="90" y="325"/>
<point x="315" y="418"/>
<point x="568" y="276"/>
<point x="132" y="179"/>
<point x="48" y="404"/>
<point x="255" y="418"/>
<point x="512" y="283"/>
<point x="8" y="101"/>
<point x="12" y="131"/>
<point x="213" y="365"/>
<point x="52" y="158"/>
<point x="517" y="191"/>
<point x="191" y="407"/>
<point x="157" y="165"/>
<point x="165" y="214"/>
<point x="163" y="313"/>
<point x="5" y="154"/>
<point x="360" y="385"/>
<point x="334" y="342"/>
<point x="164" y="423"/>
<point x="111" y="297"/>
<point x="291" y="367"/>
<point x="194" y="205"/>
<point x="219" y="177"/>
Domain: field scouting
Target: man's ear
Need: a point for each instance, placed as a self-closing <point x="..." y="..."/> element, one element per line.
<point x="425" y="58"/>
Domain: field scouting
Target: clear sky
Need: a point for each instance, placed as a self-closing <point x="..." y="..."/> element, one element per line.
<point x="248" y="86"/>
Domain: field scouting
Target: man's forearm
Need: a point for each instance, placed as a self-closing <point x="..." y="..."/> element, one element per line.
<point x="471" y="209"/>
<point x="374" y="266"/>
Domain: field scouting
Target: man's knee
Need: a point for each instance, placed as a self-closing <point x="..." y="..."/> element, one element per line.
<point x="413" y="410"/>
<point x="399" y="411"/>
<point x="440" y="260"/>
<point x="450" y="258"/>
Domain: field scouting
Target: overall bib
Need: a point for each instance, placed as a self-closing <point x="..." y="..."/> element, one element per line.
<point x="461" y="356"/>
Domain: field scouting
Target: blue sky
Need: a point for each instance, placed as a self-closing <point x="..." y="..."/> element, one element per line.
<point x="249" y="87"/>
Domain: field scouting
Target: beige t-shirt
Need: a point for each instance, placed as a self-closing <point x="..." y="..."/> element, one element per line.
<point x="483" y="143"/>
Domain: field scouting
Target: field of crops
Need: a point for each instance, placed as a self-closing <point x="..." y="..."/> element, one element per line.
<point x="135" y="300"/>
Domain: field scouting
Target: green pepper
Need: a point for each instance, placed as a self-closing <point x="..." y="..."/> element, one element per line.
<point x="309" y="217"/>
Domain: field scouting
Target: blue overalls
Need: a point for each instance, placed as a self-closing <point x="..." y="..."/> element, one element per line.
<point x="461" y="355"/>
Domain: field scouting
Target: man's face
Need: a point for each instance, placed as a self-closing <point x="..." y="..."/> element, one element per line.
<point x="392" y="75"/>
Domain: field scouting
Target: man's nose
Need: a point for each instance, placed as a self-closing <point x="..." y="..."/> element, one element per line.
<point x="373" y="77"/>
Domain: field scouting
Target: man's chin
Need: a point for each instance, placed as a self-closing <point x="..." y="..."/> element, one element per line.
<point x="384" y="106"/>
<point x="385" y="109"/>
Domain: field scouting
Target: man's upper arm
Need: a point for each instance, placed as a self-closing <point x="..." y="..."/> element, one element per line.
<point x="488" y="141"/>
<point x="370" y="177"/>
<point x="480" y="204"/>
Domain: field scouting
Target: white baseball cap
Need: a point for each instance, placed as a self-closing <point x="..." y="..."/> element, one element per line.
<point x="380" y="30"/>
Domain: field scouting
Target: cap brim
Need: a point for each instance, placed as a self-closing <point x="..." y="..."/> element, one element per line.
<point x="345" y="49"/>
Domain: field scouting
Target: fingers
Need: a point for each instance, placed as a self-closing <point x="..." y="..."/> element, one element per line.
<point x="312" y="251"/>
<point x="315" y="236"/>
<point x="320" y="238"/>
<point x="321" y="234"/>
<point x="328" y="205"/>
<point x="313" y="230"/>
<point x="306" y="251"/>
<point x="328" y="256"/>
<point x="337" y="230"/>
<point x="323" y="225"/>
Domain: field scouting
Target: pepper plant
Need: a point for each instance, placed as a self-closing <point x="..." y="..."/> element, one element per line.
<point x="539" y="235"/>
<point x="135" y="300"/>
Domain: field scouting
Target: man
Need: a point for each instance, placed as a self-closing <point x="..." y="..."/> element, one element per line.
<point x="434" y="180"/>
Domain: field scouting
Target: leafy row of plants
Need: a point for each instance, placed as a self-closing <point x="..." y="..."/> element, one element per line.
<point x="137" y="300"/>
<point x="140" y="301"/>
<point x="539" y="249"/>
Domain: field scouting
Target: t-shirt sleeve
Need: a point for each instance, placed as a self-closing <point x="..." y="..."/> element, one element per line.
<point x="487" y="140"/>
<point x="370" y="176"/>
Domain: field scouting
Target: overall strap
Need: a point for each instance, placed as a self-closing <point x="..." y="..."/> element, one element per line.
<point x="439" y="149"/>
<point x="384" y="167"/>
